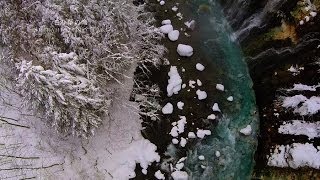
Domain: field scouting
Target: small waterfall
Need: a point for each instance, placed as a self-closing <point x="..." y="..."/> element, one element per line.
<point x="245" y="15"/>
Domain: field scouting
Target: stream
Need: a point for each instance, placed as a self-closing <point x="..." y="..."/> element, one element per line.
<point x="224" y="64"/>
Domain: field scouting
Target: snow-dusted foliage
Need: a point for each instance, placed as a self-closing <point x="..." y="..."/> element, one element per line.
<point x="67" y="53"/>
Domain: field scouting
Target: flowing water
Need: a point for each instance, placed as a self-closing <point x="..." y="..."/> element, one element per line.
<point x="237" y="151"/>
<point x="214" y="47"/>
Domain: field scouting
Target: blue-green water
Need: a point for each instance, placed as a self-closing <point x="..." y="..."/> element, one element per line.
<point x="237" y="151"/>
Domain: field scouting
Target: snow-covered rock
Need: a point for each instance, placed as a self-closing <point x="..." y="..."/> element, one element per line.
<point x="179" y="166"/>
<point x="179" y="175"/>
<point x="174" y="8"/>
<point x="174" y="35"/>
<point x="201" y="94"/>
<point x="230" y="98"/>
<point x="246" y="131"/>
<point x="178" y="127"/>
<point x="215" y="108"/>
<point x="162" y="3"/>
<point x="167" y="109"/>
<point x="313" y="14"/>
<point x="192" y="83"/>
<point x="185" y="50"/>
<point x="183" y="142"/>
<point x="200" y="67"/>
<point x="174" y="131"/>
<point x="201" y="157"/>
<point x="202" y="133"/>
<point x="307" y="18"/>
<point x="190" y="24"/>
<point x="174" y="82"/>
<point x="165" y="29"/>
<point x="218" y="154"/>
<point x="211" y="117"/>
<point x="175" y="141"/>
<point x="180" y="16"/>
<point x="199" y="83"/>
<point x="159" y="175"/>
<point x="165" y="22"/>
<point x="180" y="105"/>
<point x="220" y="87"/>
<point x="301" y="22"/>
<point x="181" y="124"/>
<point x="191" y="135"/>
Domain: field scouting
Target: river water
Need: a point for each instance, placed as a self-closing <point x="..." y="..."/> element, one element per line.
<point x="237" y="151"/>
<point x="225" y="64"/>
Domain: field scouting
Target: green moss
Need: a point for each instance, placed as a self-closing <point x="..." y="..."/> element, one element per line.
<point x="317" y="4"/>
<point x="297" y="13"/>
<point x="254" y="46"/>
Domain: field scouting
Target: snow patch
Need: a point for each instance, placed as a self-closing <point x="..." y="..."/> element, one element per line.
<point x="295" y="156"/>
<point x="308" y="106"/>
<point x="294" y="101"/>
<point x="141" y="152"/>
<point x="302" y="87"/>
<point x="298" y="127"/>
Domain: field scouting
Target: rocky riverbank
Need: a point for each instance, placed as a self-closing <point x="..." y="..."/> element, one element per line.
<point x="224" y="74"/>
<point x="282" y="49"/>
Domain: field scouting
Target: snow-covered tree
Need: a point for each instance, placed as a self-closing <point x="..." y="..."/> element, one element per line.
<point x="66" y="53"/>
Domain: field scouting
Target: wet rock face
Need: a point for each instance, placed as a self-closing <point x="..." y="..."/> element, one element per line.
<point x="237" y="11"/>
<point x="289" y="37"/>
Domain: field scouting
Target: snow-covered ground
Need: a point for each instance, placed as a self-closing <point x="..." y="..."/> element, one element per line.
<point x="298" y="155"/>
<point x="295" y="156"/>
<point x="298" y="127"/>
<point x="30" y="149"/>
